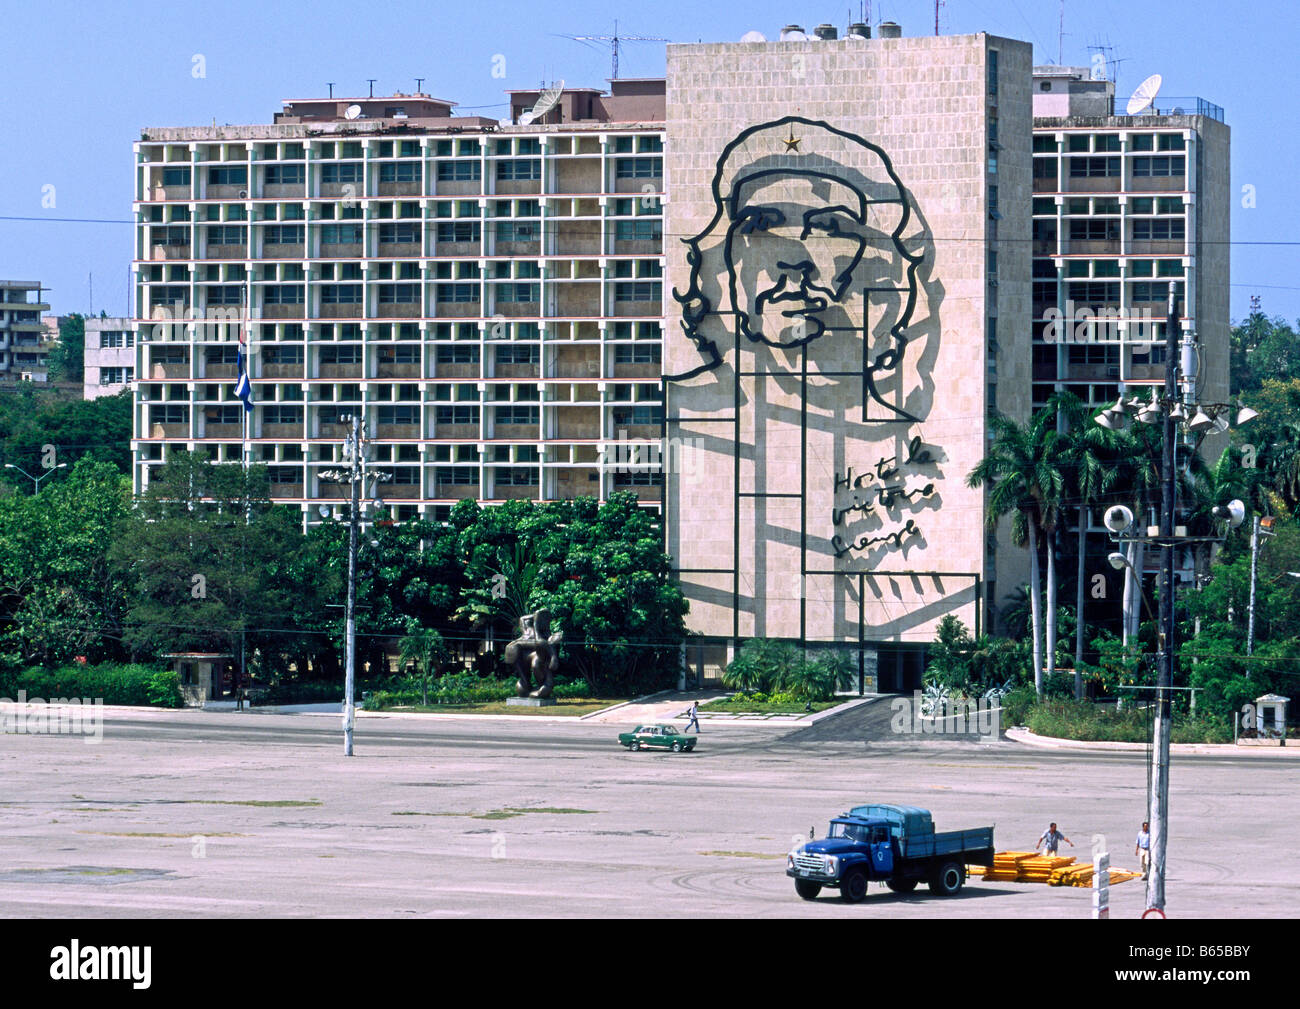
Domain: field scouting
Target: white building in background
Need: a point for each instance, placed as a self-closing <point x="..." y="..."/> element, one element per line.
<point x="109" y="361"/>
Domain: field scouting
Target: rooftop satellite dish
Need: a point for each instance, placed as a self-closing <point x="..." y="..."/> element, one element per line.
<point x="753" y="37"/>
<point x="545" y="102"/>
<point x="1144" y="95"/>
<point x="352" y="112"/>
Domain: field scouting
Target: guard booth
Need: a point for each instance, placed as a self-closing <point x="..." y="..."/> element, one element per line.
<point x="205" y="676"/>
<point x="1273" y="727"/>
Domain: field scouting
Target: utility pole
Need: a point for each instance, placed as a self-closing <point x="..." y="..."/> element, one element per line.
<point x="1250" y="613"/>
<point x="349" y="681"/>
<point x="1159" y="812"/>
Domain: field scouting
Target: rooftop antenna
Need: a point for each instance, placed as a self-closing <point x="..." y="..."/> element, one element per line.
<point x="613" y="41"/>
<point x="330" y="85"/>
<point x="1060" y="38"/>
<point x="372" y="85"/>
<point x="546" y="101"/>
<point x="1144" y="95"/>
<point x="937" y="5"/>
<point x="419" y="85"/>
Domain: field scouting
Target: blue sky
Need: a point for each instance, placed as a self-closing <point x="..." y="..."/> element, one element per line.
<point x="81" y="80"/>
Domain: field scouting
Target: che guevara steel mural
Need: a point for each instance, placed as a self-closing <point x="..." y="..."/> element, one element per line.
<point x="814" y="249"/>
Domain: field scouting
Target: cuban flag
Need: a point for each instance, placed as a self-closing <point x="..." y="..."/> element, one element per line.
<point x="243" y="387"/>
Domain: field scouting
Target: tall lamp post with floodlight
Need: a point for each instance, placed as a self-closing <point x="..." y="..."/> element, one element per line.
<point x="1180" y="415"/>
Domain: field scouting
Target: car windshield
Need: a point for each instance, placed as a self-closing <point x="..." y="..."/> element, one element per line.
<point x="851" y="831"/>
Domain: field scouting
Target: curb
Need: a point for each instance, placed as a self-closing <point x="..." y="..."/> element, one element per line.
<point x="1024" y="736"/>
<point x="623" y="704"/>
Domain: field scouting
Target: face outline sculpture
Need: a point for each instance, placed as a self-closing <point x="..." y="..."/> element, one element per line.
<point x="807" y="229"/>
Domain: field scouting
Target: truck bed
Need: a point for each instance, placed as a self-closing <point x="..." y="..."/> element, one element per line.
<point x="973" y="846"/>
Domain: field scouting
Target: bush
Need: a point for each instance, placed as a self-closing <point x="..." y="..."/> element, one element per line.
<point x="113" y="683"/>
<point x="1083" y="720"/>
<point x="1016" y="704"/>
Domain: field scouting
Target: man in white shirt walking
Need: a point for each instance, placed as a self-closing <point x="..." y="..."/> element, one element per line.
<point x="1143" y="848"/>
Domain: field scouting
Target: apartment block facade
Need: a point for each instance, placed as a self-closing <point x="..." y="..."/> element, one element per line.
<point x="108" y="363"/>
<point x="1123" y="205"/>
<point x="488" y="294"/>
<point x="24" y="344"/>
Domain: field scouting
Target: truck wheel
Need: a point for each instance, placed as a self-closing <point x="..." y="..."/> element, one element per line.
<point x="807" y="889"/>
<point x="853" y="887"/>
<point x="900" y="885"/>
<point x="947" y="879"/>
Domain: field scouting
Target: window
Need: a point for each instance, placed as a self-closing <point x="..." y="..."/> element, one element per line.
<point x="1106" y="142"/>
<point x="281" y="355"/>
<point x="1088" y="168"/>
<point x="1157" y="292"/>
<point x="1169" y="142"/>
<point x="409" y="171"/>
<point x="639" y="231"/>
<point x="1140" y="142"/>
<point x="517" y="231"/>
<point x="459" y="171"/>
<point x="399" y="294"/>
<point x="459" y="231"/>
<point x="176" y="177"/>
<point x="456" y="475"/>
<point x="284" y="474"/>
<point x="518" y="353"/>
<point x="1044" y="144"/>
<point x="225" y="234"/>
<point x="639" y="291"/>
<point x="456" y="415"/>
<point x="520" y="170"/>
<point x="399" y="415"/>
<point x="457" y="355"/>
<point x="638" y="168"/>
<point x="456" y="292"/>
<point x="1169" y="205"/>
<point x="275" y="414"/>
<point x="516" y="476"/>
<point x="1092" y="229"/>
<point x="1159" y="167"/>
<point x="637" y="353"/>
<point x="518" y="293"/>
<point x="1159" y="230"/>
<point x="283" y="234"/>
<point x="405" y="234"/>
<point x="286" y="175"/>
<point x="166" y="414"/>
<point x="1045" y="168"/>
<point x="629" y="415"/>
<point x="639" y="478"/>
<point x="344" y="353"/>
<point x="516" y="415"/>
<point x="233" y="175"/>
<point x="406" y="475"/>
<point x="228" y="295"/>
<point x="283" y="294"/>
<point x="341" y="234"/>
<point x="341" y="172"/>
<point x="993" y="72"/>
<point x="1093" y="292"/>
<point x="340" y="294"/>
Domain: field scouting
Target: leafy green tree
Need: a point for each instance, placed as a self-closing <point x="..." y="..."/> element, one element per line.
<point x="1260" y="349"/>
<point x="424" y="647"/>
<point x="59" y="597"/>
<point x="67" y="357"/>
<point x="206" y="556"/>
<point x="32" y="419"/>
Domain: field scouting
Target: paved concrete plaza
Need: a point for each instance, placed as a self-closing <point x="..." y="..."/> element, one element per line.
<point x="257" y="814"/>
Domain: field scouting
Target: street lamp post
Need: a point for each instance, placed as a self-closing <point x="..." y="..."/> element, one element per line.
<point x="37" y="479"/>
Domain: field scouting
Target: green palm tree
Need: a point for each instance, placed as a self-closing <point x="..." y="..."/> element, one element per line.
<point x="1024" y="481"/>
<point x="1089" y="453"/>
<point x="424" y="647"/>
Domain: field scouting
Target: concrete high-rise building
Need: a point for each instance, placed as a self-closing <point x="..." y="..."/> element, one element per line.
<point x="853" y="277"/>
<point x="489" y="294"/>
<point x="1123" y="205"/>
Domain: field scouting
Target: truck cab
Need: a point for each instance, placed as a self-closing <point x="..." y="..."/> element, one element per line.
<point x="895" y="845"/>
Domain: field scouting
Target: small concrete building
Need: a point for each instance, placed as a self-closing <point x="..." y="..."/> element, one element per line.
<point x="109" y="357"/>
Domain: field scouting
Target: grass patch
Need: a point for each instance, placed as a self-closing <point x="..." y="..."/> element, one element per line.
<point x="740" y="704"/>
<point x="1083" y="720"/>
<point x="141" y="833"/>
<point x="741" y="854"/>
<point x="503" y="814"/>
<point x="274" y="803"/>
<point x="574" y="706"/>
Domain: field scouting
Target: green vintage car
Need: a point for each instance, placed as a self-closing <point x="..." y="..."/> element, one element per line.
<point x="663" y="737"/>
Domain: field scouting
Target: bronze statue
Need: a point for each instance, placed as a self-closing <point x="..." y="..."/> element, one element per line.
<point x="535" y="653"/>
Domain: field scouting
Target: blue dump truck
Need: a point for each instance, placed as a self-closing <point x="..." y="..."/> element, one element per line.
<point x="895" y="845"/>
